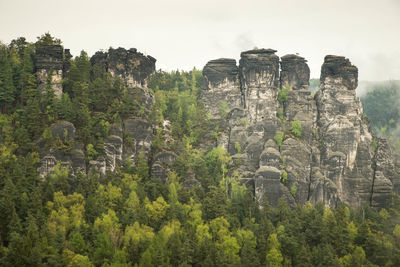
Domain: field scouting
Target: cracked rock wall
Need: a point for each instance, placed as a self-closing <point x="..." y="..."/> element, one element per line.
<point x="331" y="162"/>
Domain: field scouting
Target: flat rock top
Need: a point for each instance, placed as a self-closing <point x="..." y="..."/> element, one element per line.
<point x="49" y="50"/>
<point x="125" y="62"/>
<point x="338" y="66"/>
<point x="291" y="57"/>
<point x="259" y="51"/>
<point x="334" y="65"/>
<point x="222" y="61"/>
<point x="121" y="53"/>
<point x="222" y="65"/>
<point x="259" y="58"/>
<point x="218" y="69"/>
<point x="49" y="57"/>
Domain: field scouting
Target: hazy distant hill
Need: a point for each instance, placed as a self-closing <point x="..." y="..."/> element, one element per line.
<point x="366" y="86"/>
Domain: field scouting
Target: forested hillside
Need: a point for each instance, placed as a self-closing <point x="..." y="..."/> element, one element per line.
<point x="199" y="215"/>
<point x="381" y="105"/>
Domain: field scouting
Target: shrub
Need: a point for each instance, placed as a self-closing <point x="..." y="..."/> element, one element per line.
<point x="293" y="190"/>
<point x="279" y="138"/>
<point x="283" y="94"/>
<point x="284" y="177"/>
<point x="297" y="128"/>
<point x="91" y="152"/>
<point x="238" y="148"/>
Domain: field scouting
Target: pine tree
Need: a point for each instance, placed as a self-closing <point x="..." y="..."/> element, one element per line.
<point x="7" y="89"/>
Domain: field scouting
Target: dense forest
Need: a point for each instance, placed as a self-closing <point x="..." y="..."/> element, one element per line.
<point x="126" y="218"/>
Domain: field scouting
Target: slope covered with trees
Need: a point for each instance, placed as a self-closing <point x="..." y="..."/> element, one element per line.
<point x="381" y="105"/>
<point x="126" y="218"/>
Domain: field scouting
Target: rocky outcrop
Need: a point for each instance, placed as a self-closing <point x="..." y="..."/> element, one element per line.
<point x="135" y="134"/>
<point x="385" y="179"/>
<point x="331" y="161"/>
<point x="345" y="138"/>
<point x="140" y="134"/>
<point x="162" y="165"/>
<point x="259" y="75"/>
<point x="63" y="151"/>
<point x="295" y="72"/>
<point x="132" y="66"/>
<point x="125" y="140"/>
<point x="49" y="64"/>
<point x="222" y="87"/>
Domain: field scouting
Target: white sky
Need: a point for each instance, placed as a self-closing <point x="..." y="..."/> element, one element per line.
<point x="182" y="34"/>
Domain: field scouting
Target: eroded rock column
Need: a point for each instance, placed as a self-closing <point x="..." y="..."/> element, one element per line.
<point x="49" y="68"/>
<point x="259" y="71"/>
<point x="342" y="131"/>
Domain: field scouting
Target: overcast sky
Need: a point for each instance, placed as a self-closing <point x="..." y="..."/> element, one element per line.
<point x="182" y="34"/>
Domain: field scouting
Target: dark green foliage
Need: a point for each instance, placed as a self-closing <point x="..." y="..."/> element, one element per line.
<point x="47" y="39"/>
<point x="7" y="88"/>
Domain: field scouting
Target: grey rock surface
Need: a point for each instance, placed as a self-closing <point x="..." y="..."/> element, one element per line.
<point x="135" y="135"/>
<point x="331" y="162"/>
<point x="49" y="61"/>
<point x="162" y="165"/>
<point x="72" y="158"/>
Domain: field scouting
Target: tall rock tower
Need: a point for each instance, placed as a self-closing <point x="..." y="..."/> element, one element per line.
<point x="331" y="161"/>
<point x="49" y="63"/>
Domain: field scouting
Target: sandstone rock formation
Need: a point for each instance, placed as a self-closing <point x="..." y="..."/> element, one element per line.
<point x="162" y="164"/>
<point x="126" y="140"/>
<point x="335" y="158"/>
<point x="50" y="64"/>
<point x="332" y="161"/>
<point x="64" y="151"/>
<point x="135" y="135"/>
<point x="134" y="68"/>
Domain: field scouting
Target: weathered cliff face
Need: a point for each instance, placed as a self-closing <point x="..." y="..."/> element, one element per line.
<point x="294" y="72"/>
<point x="334" y="160"/>
<point x="134" y="68"/>
<point x="331" y="162"/>
<point x="50" y="65"/>
<point x="259" y="74"/>
<point x="135" y="134"/>
<point x="64" y="151"/>
<point x="385" y="178"/>
<point x="345" y="138"/>
<point x="222" y="87"/>
<point x="126" y="140"/>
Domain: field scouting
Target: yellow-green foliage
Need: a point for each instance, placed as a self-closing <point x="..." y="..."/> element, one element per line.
<point x="283" y="94"/>
<point x="297" y="128"/>
<point x="293" y="190"/>
<point x="238" y="148"/>
<point x="66" y="213"/>
<point x="157" y="209"/>
<point x="284" y="177"/>
<point x="279" y="136"/>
